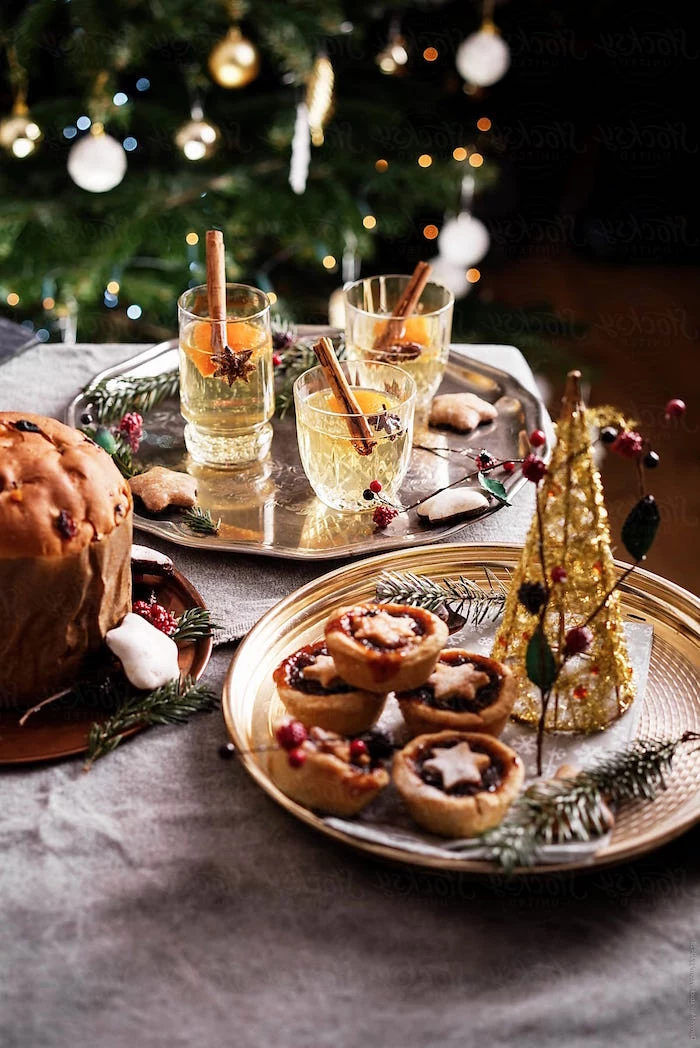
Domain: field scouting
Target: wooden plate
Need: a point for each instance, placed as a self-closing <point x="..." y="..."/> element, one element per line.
<point x="670" y="706"/>
<point x="48" y="735"/>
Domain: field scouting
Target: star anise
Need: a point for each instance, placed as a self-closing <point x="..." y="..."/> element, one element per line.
<point x="387" y="421"/>
<point x="399" y="351"/>
<point x="231" y="366"/>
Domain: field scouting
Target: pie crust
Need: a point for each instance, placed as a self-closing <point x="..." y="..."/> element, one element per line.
<point x="327" y="781"/>
<point x="335" y="707"/>
<point x="451" y="815"/>
<point x="489" y="714"/>
<point x="376" y="662"/>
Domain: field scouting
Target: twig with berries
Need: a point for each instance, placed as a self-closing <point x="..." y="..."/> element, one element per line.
<point x="385" y="512"/>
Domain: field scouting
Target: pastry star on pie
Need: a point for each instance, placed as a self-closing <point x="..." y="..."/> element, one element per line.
<point x="384" y="647"/>
<point x="465" y="692"/>
<point x="313" y="691"/>
<point x="457" y="784"/>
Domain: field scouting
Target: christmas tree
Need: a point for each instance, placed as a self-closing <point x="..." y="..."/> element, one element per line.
<point x="127" y="130"/>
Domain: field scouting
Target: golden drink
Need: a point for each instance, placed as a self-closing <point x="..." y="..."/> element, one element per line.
<point x="335" y="465"/>
<point x="423" y="345"/>
<point x="227" y="399"/>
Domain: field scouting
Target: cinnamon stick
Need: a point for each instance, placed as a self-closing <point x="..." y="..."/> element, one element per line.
<point x="358" y="426"/>
<point x="406" y="305"/>
<point x="216" y="288"/>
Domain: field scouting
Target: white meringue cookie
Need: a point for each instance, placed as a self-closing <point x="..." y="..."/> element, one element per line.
<point x="148" y="655"/>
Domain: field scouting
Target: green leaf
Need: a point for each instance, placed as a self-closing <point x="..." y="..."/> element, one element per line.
<point x="539" y="661"/>
<point x="639" y="530"/>
<point x="494" y="487"/>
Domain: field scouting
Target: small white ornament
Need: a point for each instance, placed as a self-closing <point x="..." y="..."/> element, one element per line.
<point x="301" y="150"/>
<point x="484" y="57"/>
<point x="454" y="502"/>
<point x="463" y="241"/>
<point x="97" y="163"/>
<point x="148" y="655"/>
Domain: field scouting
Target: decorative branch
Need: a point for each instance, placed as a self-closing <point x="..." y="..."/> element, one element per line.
<point x="194" y="624"/>
<point x="113" y="397"/>
<point x="200" y="521"/>
<point x="171" y="704"/>
<point x="462" y="597"/>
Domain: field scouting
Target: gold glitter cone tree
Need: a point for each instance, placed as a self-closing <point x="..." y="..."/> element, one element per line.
<point x="569" y="536"/>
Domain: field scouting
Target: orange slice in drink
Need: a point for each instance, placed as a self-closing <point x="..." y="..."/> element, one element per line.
<point x="239" y="335"/>
<point x="415" y="330"/>
<point x="371" y="402"/>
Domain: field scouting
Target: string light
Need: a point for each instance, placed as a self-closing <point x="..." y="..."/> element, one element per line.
<point x="430" y="54"/>
<point x="369" y="221"/>
<point x="483" y="123"/>
<point x="473" y="275"/>
<point x="460" y="153"/>
<point x="271" y="297"/>
<point x="120" y="98"/>
<point x="134" y="312"/>
<point x="143" y="83"/>
<point x="381" y="165"/>
<point x="70" y="131"/>
<point x="13" y="299"/>
<point x="192" y="239"/>
<point x="328" y="262"/>
<point x="476" y="160"/>
<point x="48" y="302"/>
<point x="130" y="143"/>
<point x="425" y="160"/>
<point x="113" y="287"/>
<point x="43" y="334"/>
<point x="430" y="232"/>
<point x="83" y="123"/>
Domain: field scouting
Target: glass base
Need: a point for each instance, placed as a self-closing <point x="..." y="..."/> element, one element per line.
<point x="232" y="452"/>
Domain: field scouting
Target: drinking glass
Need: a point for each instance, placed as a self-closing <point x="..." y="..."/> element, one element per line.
<point x="340" y="467"/>
<point x="227" y="405"/>
<point x="423" y="346"/>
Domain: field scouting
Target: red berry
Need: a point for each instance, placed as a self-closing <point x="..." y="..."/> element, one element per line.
<point x="375" y="486"/>
<point x="296" y="757"/>
<point x="538" y="438"/>
<point x="383" y="516"/>
<point x="578" y="640"/>
<point x="675" y="408"/>
<point x="291" y="735"/>
<point x="534" y="468"/>
<point x="276" y="359"/>
<point x="131" y="426"/>
<point x="156" y="614"/>
<point x="484" y="460"/>
<point x="358" y="748"/>
<point x="628" y="444"/>
<point x="559" y="574"/>
<point x="509" y="467"/>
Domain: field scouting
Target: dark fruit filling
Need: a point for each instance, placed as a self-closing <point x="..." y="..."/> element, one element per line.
<point x="490" y="780"/>
<point x="485" y="695"/>
<point x="295" y="665"/>
<point x="416" y="624"/>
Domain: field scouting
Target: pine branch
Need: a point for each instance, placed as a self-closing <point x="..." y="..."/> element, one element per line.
<point x="462" y="597"/>
<point x="113" y="397"/>
<point x="200" y="521"/>
<point x="560" y="811"/>
<point x="171" y="704"/>
<point x="194" y="624"/>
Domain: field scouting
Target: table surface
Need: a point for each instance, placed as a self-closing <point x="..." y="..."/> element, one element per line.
<point x="163" y="899"/>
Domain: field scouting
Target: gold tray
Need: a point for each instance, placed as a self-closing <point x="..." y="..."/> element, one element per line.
<point x="270" y="509"/>
<point x="670" y="706"/>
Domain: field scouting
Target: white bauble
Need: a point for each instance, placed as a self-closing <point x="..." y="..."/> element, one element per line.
<point x="97" y="163"/>
<point x="463" y="241"/>
<point x="453" y="277"/>
<point x="483" y="58"/>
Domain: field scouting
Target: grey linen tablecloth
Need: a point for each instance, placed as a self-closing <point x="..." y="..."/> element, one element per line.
<point x="163" y="899"/>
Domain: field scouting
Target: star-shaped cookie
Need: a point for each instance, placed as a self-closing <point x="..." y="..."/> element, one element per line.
<point x="323" y="670"/>
<point x="458" y="764"/>
<point x="159" y="488"/>
<point x="461" y="411"/>
<point x="448" y="680"/>
<point x="385" y="629"/>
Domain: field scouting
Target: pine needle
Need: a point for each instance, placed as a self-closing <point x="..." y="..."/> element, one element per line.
<point x="111" y="398"/>
<point x="194" y="624"/>
<point x="200" y="521"/>
<point x="463" y="596"/>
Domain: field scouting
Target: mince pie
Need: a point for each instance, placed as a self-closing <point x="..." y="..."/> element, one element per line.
<point x="457" y="784"/>
<point x="312" y="690"/>
<point x="465" y="692"/>
<point x="385" y="647"/>
<point x="326" y="771"/>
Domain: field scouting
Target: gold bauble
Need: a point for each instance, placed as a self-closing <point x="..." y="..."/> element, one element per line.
<point x="19" y="134"/>
<point x="198" y="138"/>
<point x="234" y="61"/>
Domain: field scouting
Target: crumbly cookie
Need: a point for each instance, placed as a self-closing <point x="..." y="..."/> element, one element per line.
<point x="159" y="488"/>
<point x="461" y="411"/>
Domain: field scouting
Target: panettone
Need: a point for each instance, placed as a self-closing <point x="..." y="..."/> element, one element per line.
<point x="65" y="545"/>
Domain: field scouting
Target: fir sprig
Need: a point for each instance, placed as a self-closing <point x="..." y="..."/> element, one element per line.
<point x="200" y="521"/>
<point x="113" y="397"/>
<point x="462" y="596"/>
<point x="173" y="703"/>
<point x="560" y="811"/>
<point x="194" y="624"/>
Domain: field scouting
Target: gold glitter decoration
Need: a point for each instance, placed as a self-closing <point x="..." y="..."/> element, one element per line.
<point x="593" y="689"/>
<point x="319" y="97"/>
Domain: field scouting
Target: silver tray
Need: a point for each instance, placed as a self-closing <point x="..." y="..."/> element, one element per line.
<point x="270" y="509"/>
